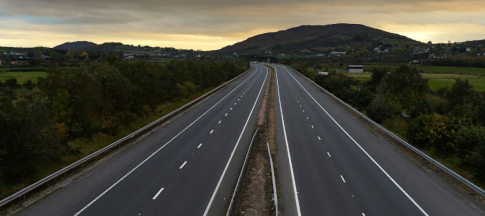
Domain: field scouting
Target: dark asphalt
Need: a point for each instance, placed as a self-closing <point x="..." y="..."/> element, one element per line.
<point x="336" y="175"/>
<point x="173" y="159"/>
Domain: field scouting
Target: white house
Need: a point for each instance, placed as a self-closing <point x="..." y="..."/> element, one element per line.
<point x="282" y="54"/>
<point x="5" y="53"/>
<point x="322" y="73"/>
<point x="337" y="53"/>
<point x="320" y="55"/>
<point x="414" y="61"/>
<point x="355" y="68"/>
<point x="468" y="49"/>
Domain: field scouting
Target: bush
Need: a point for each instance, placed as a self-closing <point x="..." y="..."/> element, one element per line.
<point x="470" y="147"/>
<point x="440" y="105"/>
<point x="29" y="85"/>
<point x="362" y="98"/>
<point x="480" y="112"/>
<point x="11" y="82"/>
<point x="421" y="108"/>
<point x="437" y="131"/>
<point x="382" y="108"/>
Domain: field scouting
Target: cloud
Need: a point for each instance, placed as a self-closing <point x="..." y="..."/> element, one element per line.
<point x="212" y="24"/>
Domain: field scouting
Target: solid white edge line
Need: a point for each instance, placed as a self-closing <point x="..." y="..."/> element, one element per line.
<point x="287" y="147"/>
<point x="372" y="159"/>
<point x="329" y="154"/>
<point x="319" y="138"/>
<point x="158" y="193"/>
<point x="219" y="122"/>
<point x="199" y="145"/>
<point x="183" y="165"/>
<point x="342" y="178"/>
<point x="127" y="174"/>
<point x="235" y="147"/>
<point x="225" y="114"/>
<point x="212" y="131"/>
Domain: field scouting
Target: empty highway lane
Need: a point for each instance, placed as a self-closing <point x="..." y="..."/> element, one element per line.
<point x="186" y="168"/>
<point x="333" y="165"/>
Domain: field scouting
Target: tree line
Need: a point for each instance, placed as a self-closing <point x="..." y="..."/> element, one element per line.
<point x="98" y="97"/>
<point x="448" y="122"/>
<point x="466" y="61"/>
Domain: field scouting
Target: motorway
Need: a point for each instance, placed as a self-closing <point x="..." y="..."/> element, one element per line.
<point x="188" y="167"/>
<point x="330" y="164"/>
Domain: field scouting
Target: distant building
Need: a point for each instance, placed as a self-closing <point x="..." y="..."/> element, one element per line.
<point x="320" y="55"/>
<point x="282" y="54"/>
<point x="322" y="73"/>
<point x="468" y="49"/>
<point x="14" y="62"/>
<point x="337" y="53"/>
<point x="355" y="68"/>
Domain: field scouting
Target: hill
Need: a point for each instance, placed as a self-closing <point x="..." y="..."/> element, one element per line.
<point x="315" y="37"/>
<point x="83" y="45"/>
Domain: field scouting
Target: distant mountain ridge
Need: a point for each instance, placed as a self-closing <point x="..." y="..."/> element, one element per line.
<point x="84" y="45"/>
<point x="312" y="37"/>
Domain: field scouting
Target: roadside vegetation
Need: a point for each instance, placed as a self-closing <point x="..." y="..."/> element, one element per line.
<point x="447" y="123"/>
<point x="73" y="112"/>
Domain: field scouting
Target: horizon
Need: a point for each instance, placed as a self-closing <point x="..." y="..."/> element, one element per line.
<point x="214" y="24"/>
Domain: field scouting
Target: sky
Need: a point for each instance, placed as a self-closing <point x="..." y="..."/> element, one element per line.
<point x="213" y="24"/>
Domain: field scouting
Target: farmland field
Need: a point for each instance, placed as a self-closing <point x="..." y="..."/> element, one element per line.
<point x="438" y="80"/>
<point x="22" y="77"/>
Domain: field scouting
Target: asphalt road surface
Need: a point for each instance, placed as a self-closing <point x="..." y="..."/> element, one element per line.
<point x="330" y="164"/>
<point x="188" y="167"/>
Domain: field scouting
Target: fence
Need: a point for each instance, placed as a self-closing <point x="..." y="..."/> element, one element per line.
<point x="106" y="149"/>
<point x="233" y="203"/>
<point x="440" y="166"/>
<point x="274" y="200"/>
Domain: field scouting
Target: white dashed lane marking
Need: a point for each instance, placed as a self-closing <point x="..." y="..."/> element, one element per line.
<point x="183" y="165"/>
<point x="158" y="193"/>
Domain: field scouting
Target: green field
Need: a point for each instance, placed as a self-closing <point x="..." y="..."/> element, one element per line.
<point x="22" y="77"/>
<point x="437" y="81"/>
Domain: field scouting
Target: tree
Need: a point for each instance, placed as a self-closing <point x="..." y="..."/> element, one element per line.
<point x="376" y="77"/>
<point x="421" y="108"/>
<point x="462" y="92"/>
<point x="29" y="136"/>
<point x="405" y="84"/>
